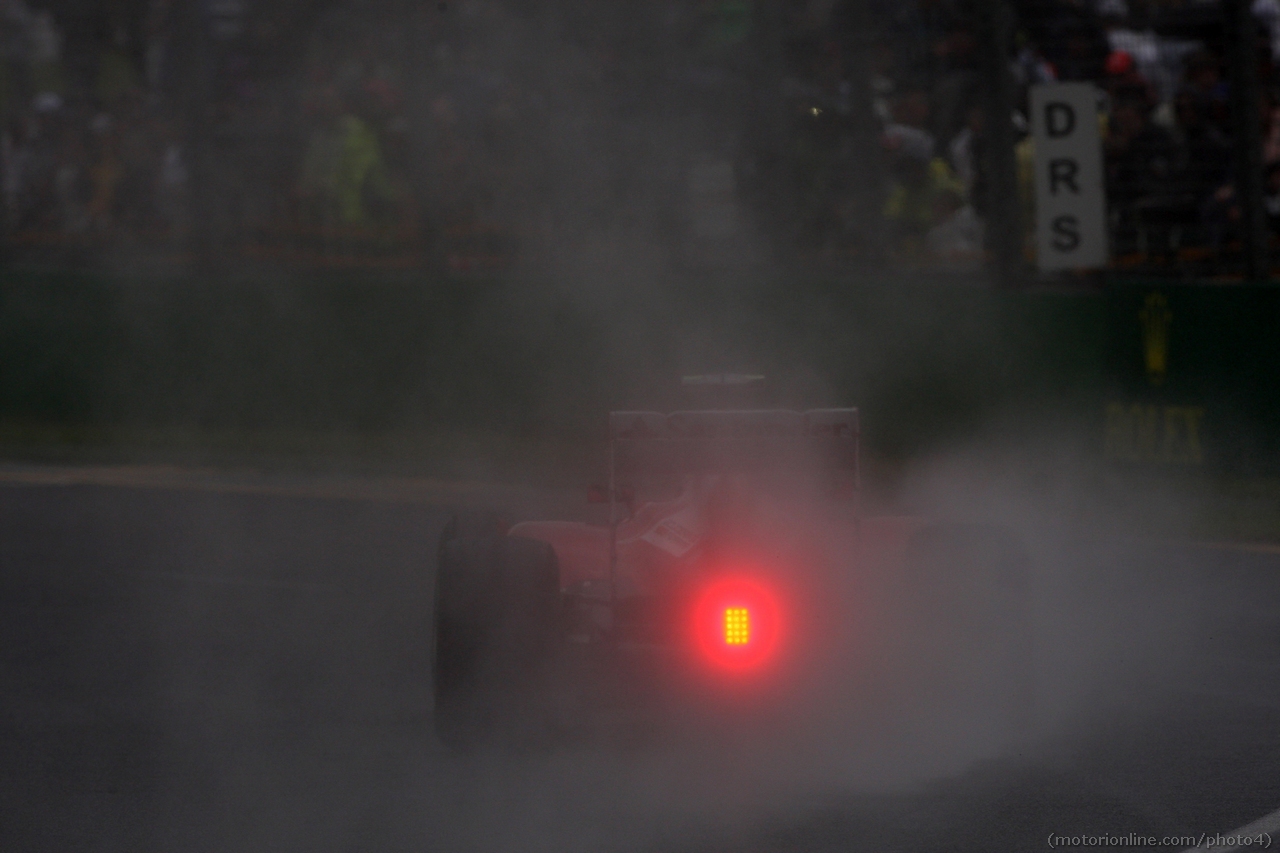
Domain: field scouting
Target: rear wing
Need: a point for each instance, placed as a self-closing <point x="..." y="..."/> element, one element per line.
<point x="654" y="443"/>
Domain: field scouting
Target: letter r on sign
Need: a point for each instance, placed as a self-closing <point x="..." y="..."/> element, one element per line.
<point x="1063" y="170"/>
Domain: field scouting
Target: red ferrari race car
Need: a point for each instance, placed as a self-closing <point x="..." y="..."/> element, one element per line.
<point x="733" y="576"/>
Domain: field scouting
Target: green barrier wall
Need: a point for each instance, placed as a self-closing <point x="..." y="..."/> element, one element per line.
<point x="323" y="354"/>
<point x="1151" y="375"/>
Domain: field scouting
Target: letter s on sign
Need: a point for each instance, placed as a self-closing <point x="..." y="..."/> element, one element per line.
<point x="1066" y="233"/>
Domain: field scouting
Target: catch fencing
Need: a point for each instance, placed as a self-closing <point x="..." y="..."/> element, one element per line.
<point x="482" y="137"/>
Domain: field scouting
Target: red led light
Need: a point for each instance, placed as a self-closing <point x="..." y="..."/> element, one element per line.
<point x="737" y="623"/>
<point x="737" y="626"/>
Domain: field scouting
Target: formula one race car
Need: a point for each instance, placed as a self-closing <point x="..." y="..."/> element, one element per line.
<point x="733" y="573"/>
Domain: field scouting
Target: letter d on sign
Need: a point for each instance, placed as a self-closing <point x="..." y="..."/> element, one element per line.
<point x="1059" y="119"/>
<point x="1071" y="209"/>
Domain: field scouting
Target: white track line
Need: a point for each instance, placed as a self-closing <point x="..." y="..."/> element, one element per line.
<point x="265" y="583"/>
<point x="389" y="489"/>
<point x="1268" y="826"/>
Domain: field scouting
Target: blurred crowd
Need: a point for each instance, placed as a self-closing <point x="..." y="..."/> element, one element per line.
<point x="85" y="150"/>
<point x="113" y="116"/>
<point x="1165" y="118"/>
<point x="455" y="132"/>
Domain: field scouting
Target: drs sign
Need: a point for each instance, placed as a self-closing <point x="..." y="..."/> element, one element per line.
<point x="1071" y="209"/>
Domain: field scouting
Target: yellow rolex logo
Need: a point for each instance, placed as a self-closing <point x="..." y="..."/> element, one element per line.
<point x="1155" y="316"/>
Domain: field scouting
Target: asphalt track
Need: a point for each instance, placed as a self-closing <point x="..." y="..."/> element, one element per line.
<point x="244" y="668"/>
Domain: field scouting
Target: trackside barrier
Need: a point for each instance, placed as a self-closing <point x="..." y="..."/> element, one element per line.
<point x="1176" y="378"/>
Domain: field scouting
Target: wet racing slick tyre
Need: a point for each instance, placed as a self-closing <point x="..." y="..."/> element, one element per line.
<point x="496" y="610"/>
<point x="971" y="614"/>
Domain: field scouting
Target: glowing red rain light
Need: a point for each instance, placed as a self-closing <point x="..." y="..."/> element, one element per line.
<point x="737" y="626"/>
<point x="737" y="623"/>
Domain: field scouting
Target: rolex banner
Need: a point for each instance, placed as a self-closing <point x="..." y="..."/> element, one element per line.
<point x="1191" y="377"/>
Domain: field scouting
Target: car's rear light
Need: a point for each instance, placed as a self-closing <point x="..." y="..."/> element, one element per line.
<point x="737" y="626"/>
<point x="737" y="622"/>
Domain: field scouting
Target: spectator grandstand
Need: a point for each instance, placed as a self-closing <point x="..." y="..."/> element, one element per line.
<point x="467" y="136"/>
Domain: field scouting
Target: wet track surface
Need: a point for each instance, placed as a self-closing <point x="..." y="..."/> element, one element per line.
<point x="194" y="671"/>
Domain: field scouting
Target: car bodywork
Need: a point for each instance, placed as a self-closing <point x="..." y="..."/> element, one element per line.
<point x="734" y="561"/>
<point x="708" y="498"/>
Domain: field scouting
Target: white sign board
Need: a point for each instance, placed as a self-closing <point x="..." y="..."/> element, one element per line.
<point x="1071" y="208"/>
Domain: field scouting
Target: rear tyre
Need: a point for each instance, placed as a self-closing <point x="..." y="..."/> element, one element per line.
<point x="497" y="601"/>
